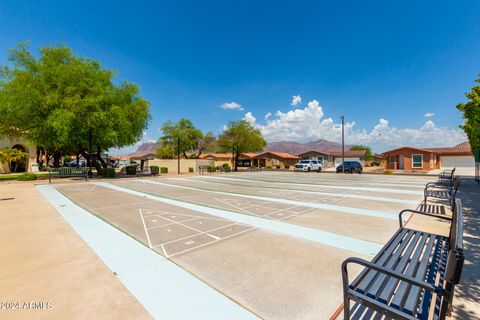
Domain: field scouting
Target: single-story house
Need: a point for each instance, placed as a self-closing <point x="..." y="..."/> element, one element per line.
<point x="334" y="158"/>
<point x="274" y="159"/>
<point x="324" y="157"/>
<point x="425" y="159"/>
<point x="29" y="164"/>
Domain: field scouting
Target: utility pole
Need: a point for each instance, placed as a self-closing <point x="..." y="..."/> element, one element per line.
<point x="343" y="143"/>
<point x="178" y="154"/>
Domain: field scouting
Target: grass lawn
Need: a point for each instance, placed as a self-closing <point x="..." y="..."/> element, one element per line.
<point x="14" y="176"/>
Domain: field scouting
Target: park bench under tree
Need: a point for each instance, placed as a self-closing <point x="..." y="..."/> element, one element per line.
<point x="412" y="277"/>
<point x="67" y="172"/>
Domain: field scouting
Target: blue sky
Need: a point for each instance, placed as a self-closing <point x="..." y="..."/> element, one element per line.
<point x="384" y="64"/>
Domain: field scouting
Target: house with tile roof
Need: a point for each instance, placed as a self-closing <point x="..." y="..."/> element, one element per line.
<point x="413" y="159"/>
<point x="333" y="158"/>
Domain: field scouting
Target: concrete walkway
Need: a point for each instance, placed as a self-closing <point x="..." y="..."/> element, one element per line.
<point x="47" y="271"/>
<point x="466" y="304"/>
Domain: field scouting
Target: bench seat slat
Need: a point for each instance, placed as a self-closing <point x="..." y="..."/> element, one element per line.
<point x="397" y="263"/>
<point x="381" y="256"/>
<point x="406" y="266"/>
<point x="387" y="260"/>
<point x="412" y="270"/>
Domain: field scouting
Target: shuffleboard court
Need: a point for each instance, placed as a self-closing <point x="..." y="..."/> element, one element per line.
<point x="272" y="242"/>
<point x="378" y="225"/>
<point x="282" y="271"/>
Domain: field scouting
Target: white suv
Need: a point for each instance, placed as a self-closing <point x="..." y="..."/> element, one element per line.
<point x="308" y="165"/>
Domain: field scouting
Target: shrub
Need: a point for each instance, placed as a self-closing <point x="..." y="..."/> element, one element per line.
<point x="287" y="166"/>
<point x="154" y="170"/>
<point x="226" y="167"/>
<point x="164" y="170"/>
<point x="277" y="166"/>
<point x="109" y="173"/>
<point x="269" y="167"/>
<point x="27" y="177"/>
<point x="212" y="169"/>
<point x="190" y="169"/>
<point x="67" y="159"/>
<point x="131" y="170"/>
<point x="388" y="172"/>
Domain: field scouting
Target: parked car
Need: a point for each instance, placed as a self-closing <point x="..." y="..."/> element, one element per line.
<point x="73" y="163"/>
<point x="308" y="165"/>
<point x="350" y="166"/>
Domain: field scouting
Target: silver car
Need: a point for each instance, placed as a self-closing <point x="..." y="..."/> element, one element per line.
<point x="308" y="165"/>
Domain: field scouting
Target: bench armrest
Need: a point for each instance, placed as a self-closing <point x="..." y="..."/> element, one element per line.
<point x="391" y="273"/>
<point x="400" y="220"/>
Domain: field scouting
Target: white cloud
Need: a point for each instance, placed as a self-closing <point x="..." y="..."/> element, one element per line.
<point x="268" y="115"/>
<point x="296" y="100"/>
<point x="429" y="114"/>
<point x="310" y="123"/>
<point x="250" y="118"/>
<point x="231" y="106"/>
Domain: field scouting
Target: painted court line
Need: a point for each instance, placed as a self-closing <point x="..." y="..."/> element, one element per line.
<point x="163" y="288"/>
<point x="384" y="190"/>
<point x="327" y="238"/>
<point x="358" y="211"/>
<point x="145" y="228"/>
<point x="353" y="196"/>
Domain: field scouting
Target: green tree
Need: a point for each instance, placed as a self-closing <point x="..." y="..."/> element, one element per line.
<point x="12" y="156"/>
<point x="471" y="116"/>
<point x="182" y="137"/>
<point x="240" y="137"/>
<point x="368" y="151"/>
<point x="60" y="101"/>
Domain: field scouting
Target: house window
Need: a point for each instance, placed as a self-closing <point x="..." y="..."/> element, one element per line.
<point x="320" y="158"/>
<point x="392" y="159"/>
<point x="417" y="160"/>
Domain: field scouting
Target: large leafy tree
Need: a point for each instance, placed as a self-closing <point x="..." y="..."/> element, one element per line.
<point x="182" y="137"/>
<point x="62" y="102"/>
<point x="368" y="151"/>
<point x="239" y="137"/>
<point x="471" y="115"/>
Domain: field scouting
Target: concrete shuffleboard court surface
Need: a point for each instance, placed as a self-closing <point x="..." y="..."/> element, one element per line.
<point x="253" y="250"/>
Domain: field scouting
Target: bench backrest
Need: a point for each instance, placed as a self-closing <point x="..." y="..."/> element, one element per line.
<point x="455" y="258"/>
<point x="67" y="170"/>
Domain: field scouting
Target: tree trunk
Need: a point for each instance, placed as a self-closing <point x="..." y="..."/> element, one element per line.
<point x="185" y="155"/>
<point x="235" y="161"/>
<point x="56" y="159"/>
<point x="100" y="164"/>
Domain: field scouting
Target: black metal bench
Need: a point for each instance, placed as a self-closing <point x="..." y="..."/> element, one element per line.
<point x="67" y="172"/>
<point x="445" y="192"/>
<point x="202" y="169"/>
<point x="446" y="176"/>
<point x="412" y="277"/>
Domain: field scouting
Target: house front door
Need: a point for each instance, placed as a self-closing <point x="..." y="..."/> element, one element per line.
<point x="400" y="162"/>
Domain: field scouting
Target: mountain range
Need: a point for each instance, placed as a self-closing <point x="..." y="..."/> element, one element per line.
<point x="281" y="146"/>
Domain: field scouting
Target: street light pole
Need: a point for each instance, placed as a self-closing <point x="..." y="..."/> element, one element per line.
<point x="343" y="143"/>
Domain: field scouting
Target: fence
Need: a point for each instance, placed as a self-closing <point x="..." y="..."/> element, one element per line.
<point x="172" y="164"/>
